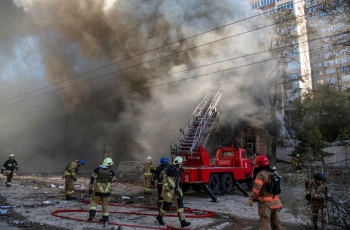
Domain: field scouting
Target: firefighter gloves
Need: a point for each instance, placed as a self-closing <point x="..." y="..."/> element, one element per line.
<point x="250" y="202"/>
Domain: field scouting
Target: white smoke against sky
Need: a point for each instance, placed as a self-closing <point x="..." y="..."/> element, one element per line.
<point x="77" y="36"/>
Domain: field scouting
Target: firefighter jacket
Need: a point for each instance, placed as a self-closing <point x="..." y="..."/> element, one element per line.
<point x="317" y="192"/>
<point x="158" y="176"/>
<point x="296" y="161"/>
<point x="10" y="166"/>
<point x="148" y="169"/>
<point x="261" y="192"/>
<point x="171" y="182"/>
<point x="71" y="170"/>
<point x="101" y="179"/>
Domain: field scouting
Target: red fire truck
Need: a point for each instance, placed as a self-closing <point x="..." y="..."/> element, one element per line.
<point x="231" y="165"/>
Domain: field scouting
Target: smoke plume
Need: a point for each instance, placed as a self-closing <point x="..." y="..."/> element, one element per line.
<point x="121" y="105"/>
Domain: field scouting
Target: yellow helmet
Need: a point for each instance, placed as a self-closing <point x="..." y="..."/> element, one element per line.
<point x="108" y="162"/>
<point x="178" y="160"/>
<point x="12" y="155"/>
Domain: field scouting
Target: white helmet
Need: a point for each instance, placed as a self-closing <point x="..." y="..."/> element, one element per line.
<point x="108" y="162"/>
<point x="178" y="160"/>
<point x="12" y="155"/>
<point x="298" y="155"/>
<point x="149" y="159"/>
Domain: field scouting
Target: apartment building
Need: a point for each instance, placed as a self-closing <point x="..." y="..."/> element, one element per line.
<point x="330" y="59"/>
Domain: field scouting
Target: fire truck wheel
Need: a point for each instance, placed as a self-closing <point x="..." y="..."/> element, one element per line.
<point x="226" y="183"/>
<point x="185" y="187"/>
<point x="121" y="174"/>
<point x="196" y="187"/>
<point x="214" y="183"/>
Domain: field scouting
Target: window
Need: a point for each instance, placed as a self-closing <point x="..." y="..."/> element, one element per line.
<point x="249" y="144"/>
<point x="329" y="63"/>
<point x="331" y="80"/>
<point x="328" y="55"/>
<point x="295" y="85"/>
<point x="286" y="6"/>
<point x="345" y="78"/>
<point x="330" y="71"/>
<point x="345" y="69"/>
<point x="293" y="65"/>
<point x="227" y="154"/>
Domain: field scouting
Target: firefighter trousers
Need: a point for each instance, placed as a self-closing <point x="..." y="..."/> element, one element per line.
<point x="105" y="206"/>
<point x="177" y="199"/>
<point x="9" y="176"/>
<point x="69" y="186"/>
<point x="147" y="183"/>
<point x="269" y="218"/>
<point x="316" y="207"/>
<point x="160" y="198"/>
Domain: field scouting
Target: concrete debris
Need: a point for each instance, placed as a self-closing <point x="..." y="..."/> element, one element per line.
<point x="47" y="202"/>
<point x="53" y="186"/>
<point x="125" y="198"/>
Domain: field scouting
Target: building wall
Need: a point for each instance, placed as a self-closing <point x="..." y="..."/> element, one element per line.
<point x="330" y="63"/>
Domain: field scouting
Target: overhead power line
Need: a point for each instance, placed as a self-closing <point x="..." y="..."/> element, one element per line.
<point x="90" y="71"/>
<point x="176" y="81"/>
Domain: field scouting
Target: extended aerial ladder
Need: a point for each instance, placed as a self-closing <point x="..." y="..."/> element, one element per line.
<point x="231" y="165"/>
<point x="197" y="129"/>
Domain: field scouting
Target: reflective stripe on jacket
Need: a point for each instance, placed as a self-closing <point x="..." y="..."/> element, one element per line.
<point x="262" y="194"/>
<point x="147" y="169"/>
<point x="10" y="165"/>
<point x="101" y="180"/>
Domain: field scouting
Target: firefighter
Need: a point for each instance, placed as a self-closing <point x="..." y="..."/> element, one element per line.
<point x="318" y="190"/>
<point x="157" y="176"/>
<point x="147" y="172"/>
<point x="70" y="176"/>
<point x="269" y="204"/>
<point x="297" y="162"/>
<point x="10" y="165"/>
<point x="171" y="191"/>
<point x="99" y="189"/>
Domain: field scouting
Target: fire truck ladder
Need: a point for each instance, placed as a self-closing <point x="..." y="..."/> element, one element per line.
<point x="200" y="124"/>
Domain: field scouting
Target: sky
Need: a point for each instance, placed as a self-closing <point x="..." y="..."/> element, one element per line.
<point x="78" y="75"/>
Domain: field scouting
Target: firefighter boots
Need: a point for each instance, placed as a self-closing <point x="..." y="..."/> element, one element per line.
<point x="160" y="220"/>
<point x="104" y="219"/>
<point x="184" y="223"/>
<point x="92" y="214"/>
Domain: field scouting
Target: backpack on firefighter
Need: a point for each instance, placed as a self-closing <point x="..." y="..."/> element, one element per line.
<point x="275" y="186"/>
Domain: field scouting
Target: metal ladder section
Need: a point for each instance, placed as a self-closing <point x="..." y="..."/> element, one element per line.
<point x="198" y="128"/>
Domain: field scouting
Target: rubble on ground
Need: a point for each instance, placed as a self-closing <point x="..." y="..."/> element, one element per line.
<point x="33" y="198"/>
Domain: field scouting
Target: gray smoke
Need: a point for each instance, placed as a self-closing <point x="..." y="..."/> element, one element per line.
<point x="74" y="37"/>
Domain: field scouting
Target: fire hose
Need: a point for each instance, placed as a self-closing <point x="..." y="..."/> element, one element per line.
<point x="194" y="213"/>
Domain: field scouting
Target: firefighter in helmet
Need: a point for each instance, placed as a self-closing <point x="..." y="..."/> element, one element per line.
<point x="99" y="188"/>
<point x="70" y="176"/>
<point x="269" y="204"/>
<point x="171" y="191"/>
<point x="318" y="190"/>
<point x="147" y="172"/>
<point x="10" y="165"/>
<point x="157" y="176"/>
<point x="297" y="162"/>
